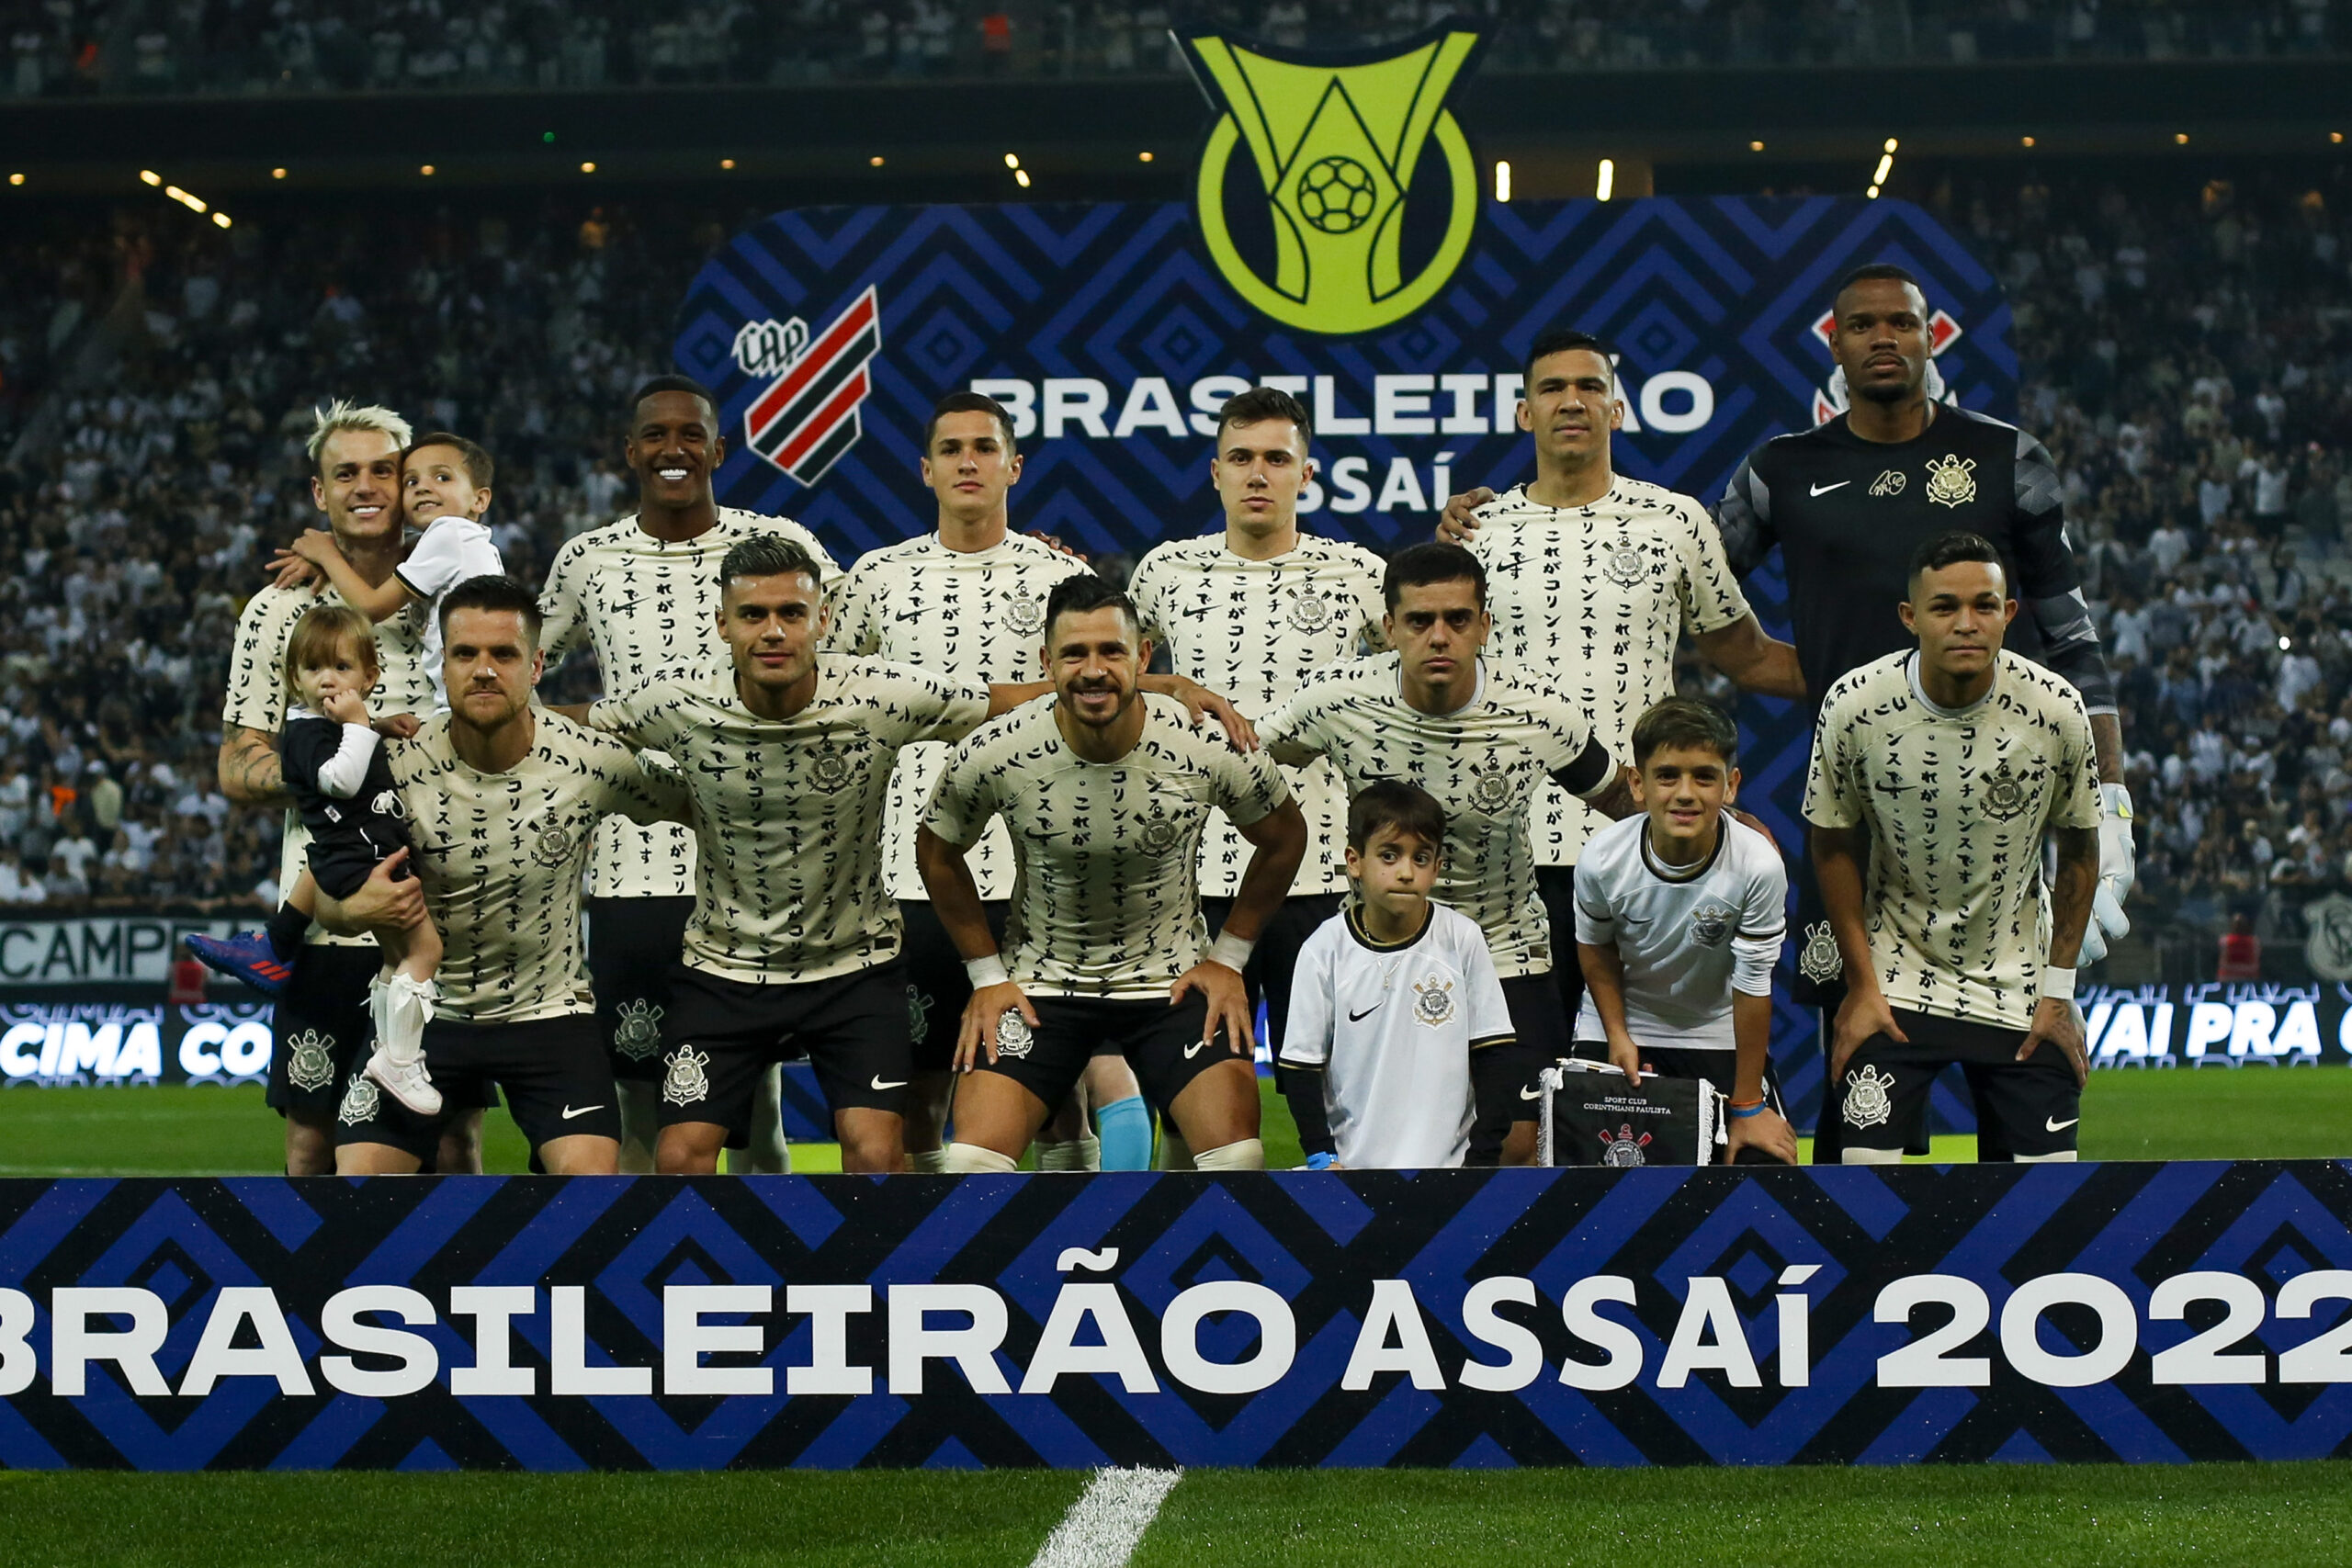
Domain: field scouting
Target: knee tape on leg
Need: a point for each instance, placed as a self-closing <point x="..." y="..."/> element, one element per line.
<point x="1124" y="1126"/>
<point x="1249" y="1154"/>
<point x="971" y="1159"/>
<point x="1058" y="1155"/>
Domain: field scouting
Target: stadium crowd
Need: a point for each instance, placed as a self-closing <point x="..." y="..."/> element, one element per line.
<point x="120" y="46"/>
<point x="2187" y="354"/>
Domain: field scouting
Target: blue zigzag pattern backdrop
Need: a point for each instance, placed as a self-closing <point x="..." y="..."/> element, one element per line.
<point x="1727" y="288"/>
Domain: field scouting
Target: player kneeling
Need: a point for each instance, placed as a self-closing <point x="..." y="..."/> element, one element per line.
<point x="1390" y="997"/>
<point x="1679" y="912"/>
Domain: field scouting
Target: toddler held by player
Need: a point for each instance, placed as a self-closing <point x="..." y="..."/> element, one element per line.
<point x="1390" y="997"/>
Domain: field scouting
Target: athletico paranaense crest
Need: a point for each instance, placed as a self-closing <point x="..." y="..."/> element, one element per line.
<point x="807" y="416"/>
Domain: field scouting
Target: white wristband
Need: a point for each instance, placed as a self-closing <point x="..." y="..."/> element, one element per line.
<point x="1231" y="952"/>
<point x="986" y="972"/>
<point x="2057" y="985"/>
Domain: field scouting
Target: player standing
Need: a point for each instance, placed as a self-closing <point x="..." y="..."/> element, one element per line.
<point x="1479" y="738"/>
<point x="502" y="801"/>
<point x="1251" y="612"/>
<point x="1106" y="790"/>
<point x="642" y="594"/>
<point x="1935" y="774"/>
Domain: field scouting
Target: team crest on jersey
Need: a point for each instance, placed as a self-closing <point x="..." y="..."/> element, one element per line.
<point x="918" y="1013"/>
<point x="1433" y="1001"/>
<point x="806" y="417"/>
<point x="1025" y="614"/>
<point x="1817" y="960"/>
<point x="687" y="1079"/>
<point x="1014" y="1038"/>
<point x="1867" y="1103"/>
<point x="361" y="1099"/>
<point x="1493" y="788"/>
<point x="1158" y="833"/>
<point x="2004" y="796"/>
<point x="551" y="846"/>
<point x="1309" y="611"/>
<point x="1951" y="482"/>
<point x="829" y="767"/>
<point x="1710" y="925"/>
<point x="637" y="1028"/>
<point x="1625" y="564"/>
<point x="1623" y="1150"/>
<point x="309" y="1060"/>
<point x="1890" y="482"/>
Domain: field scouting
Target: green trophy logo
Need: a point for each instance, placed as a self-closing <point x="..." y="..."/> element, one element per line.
<point x="1336" y="145"/>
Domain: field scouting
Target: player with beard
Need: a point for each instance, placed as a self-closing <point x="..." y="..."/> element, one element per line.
<point x="1106" y="789"/>
<point x="643" y="595"/>
<point x="502" y="802"/>
<point x="1251" y="611"/>
<point x="319" y="1026"/>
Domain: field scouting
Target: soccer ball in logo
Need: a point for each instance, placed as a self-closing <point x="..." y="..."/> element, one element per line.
<point x="1335" y="194"/>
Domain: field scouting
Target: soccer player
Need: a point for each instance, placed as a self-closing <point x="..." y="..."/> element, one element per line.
<point x="642" y="594"/>
<point x="1680" y="915"/>
<point x="968" y="598"/>
<point x="1479" y="739"/>
<point x="502" y="801"/>
<point x="1106" y="789"/>
<point x="1250" y="612"/>
<point x="1935" y="774"/>
<point x="320" y="1025"/>
<point x="1593" y="578"/>
<point x="1393" y="997"/>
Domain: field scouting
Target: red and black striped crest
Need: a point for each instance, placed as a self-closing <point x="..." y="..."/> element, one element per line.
<point x="808" y="418"/>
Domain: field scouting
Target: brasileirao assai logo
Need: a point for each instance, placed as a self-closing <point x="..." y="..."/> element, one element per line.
<point x="1337" y="141"/>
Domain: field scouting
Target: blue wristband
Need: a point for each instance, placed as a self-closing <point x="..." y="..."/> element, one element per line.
<point x="1320" y="1160"/>
<point x="1742" y="1113"/>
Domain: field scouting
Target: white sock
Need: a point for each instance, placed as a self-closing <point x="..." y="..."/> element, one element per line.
<point x="1077" y="1154"/>
<point x="1852" y="1156"/>
<point x="1089" y="1153"/>
<point x="971" y="1159"/>
<point x="927" y="1162"/>
<point x="407" y="1006"/>
<point x="2064" y="1157"/>
<point x="1248" y="1154"/>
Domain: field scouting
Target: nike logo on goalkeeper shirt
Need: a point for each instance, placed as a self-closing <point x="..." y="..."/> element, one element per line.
<point x="1825" y="489"/>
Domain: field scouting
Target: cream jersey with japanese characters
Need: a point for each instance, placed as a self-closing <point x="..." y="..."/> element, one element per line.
<point x="1956" y="802"/>
<point x="979" y="617"/>
<point x="649" y="608"/>
<point x="502" y="855"/>
<point x="1105" y="904"/>
<point x="1251" y="630"/>
<point x="259" y="698"/>
<point x="1590" y="600"/>
<point x="787" y="813"/>
<point x="1482" y="762"/>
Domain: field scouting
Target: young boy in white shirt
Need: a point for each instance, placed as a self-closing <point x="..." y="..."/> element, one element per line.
<point x="1679" y="912"/>
<point x="1390" y="997"/>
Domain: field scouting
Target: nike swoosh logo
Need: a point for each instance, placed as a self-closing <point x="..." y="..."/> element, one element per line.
<point x="569" y="1112"/>
<point x="1194" y="1049"/>
<point x="2051" y="1124"/>
<point x="1531" y="1094"/>
<point x="1825" y="489"/>
<point x="911" y="615"/>
<point x="878" y="1083"/>
<point x="1354" y="1017"/>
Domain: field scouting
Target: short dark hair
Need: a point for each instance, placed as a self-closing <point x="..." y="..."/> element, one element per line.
<point x="496" y="593"/>
<point x="1261" y="403"/>
<point x="969" y="402"/>
<point x="1419" y="565"/>
<point x="1877" y="272"/>
<point x="769" y="555"/>
<point x="1687" y="724"/>
<point x="471" y="458"/>
<point x="1952" y="547"/>
<point x="1393" y="802"/>
<point x="685" y="384"/>
<point x="1082" y="592"/>
<point x="1564" y="340"/>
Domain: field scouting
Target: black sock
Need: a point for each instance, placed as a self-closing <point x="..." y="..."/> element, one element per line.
<point x="285" y="932"/>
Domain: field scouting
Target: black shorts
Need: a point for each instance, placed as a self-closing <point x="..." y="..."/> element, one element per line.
<point x="320" y="1029"/>
<point x="633" y="943"/>
<point x="557" y="1081"/>
<point x="1719" y="1067"/>
<point x="1275" y="959"/>
<point x="937" y="987"/>
<point x="1162" y="1043"/>
<point x="1556" y="885"/>
<point x="852" y="1028"/>
<point x="1539" y="1038"/>
<point x="2033" y="1107"/>
<point x="341" y="865"/>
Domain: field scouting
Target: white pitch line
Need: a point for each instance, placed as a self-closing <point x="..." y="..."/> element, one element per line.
<point x="1102" y="1526"/>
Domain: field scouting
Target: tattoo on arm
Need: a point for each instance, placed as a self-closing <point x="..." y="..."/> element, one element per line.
<point x="249" y="771"/>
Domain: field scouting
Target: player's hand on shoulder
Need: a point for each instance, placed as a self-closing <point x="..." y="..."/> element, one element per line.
<point x="315" y="545"/>
<point x="1229" y="1010"/>
<point x="1459" y="523"/>
<point x="976" y="1042"/>
<point x="1202" y="705"/>
<point x="1750" y="819"/>
<point x="1054" y="542"/>
<point x="287" y="569"/>
<point x="2057" y="1023"/>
